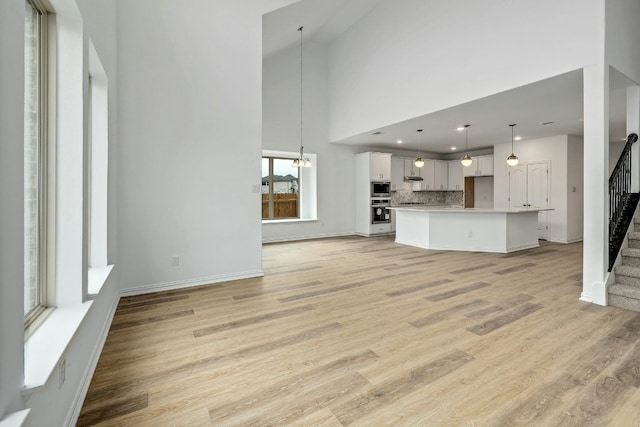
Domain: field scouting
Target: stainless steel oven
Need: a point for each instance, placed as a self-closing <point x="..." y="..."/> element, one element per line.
<point x="380" y="213"/>
<point x="380" y="189"/>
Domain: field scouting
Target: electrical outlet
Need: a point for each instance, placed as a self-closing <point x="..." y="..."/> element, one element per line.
<point x="470" y="234"/>
<point x="62" y="372"/>
<point x="175" y="261"/>
<point x="256" y="188"/>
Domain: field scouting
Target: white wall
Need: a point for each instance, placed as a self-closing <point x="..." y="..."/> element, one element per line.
<point x="281" y="131"/>
<point x="51" y="404"/>
<point x="189" y="123"/>
<point x="11" y="208"/>
<point x="553" y="150"/>
<point x="622" y="35"/>
<point x="483" y="192"/>
<point x="615" y="149"/>
<point x="575" y="188"/>
<point x="441" y="54"/>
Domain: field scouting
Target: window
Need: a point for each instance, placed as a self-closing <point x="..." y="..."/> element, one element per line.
<point x="35" y="161"/>
<point x="97" y="172"/>
<point x="280" y="189"/>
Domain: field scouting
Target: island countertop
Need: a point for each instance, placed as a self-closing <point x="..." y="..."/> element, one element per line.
<point x="460" y="209"/>
<point x="476" y="229"/>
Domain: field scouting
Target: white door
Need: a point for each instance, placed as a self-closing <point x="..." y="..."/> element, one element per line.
<point x="518" y="186"/>
<point x="538" y="194"/>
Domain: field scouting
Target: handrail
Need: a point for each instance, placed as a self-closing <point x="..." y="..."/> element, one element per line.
<point x="620" y="200"/>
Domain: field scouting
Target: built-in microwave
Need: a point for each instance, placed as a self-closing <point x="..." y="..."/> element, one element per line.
<point x="380" y="189"/>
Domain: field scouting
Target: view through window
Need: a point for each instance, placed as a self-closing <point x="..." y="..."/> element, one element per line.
<point x="280" y="189"/>
<point x="34" y="163"/>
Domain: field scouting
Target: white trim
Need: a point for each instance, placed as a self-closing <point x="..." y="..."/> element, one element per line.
<point x="586" y="297"/>
<point x="97" y="277"/>
<point x="85" y="381"/>
<point x="284" y="221"/>
<point x="565" y="242"/>
<point x="15" y="419"/>
<point x="306" y="237"/>
<point x="44" y="349"/>
<point x="189" y="283"/>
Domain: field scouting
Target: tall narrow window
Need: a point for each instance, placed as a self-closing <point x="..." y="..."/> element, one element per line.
<point x="34" y="161"/>
<point x="280" y="189"/>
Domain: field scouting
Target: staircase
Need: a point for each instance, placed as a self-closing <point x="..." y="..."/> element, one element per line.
<point x="625" y="292"/>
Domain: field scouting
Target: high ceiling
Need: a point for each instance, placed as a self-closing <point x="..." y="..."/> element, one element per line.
<point x="549" y="107"/>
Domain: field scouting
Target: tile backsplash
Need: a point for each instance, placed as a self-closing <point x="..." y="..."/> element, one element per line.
<point x="407" y="195"/>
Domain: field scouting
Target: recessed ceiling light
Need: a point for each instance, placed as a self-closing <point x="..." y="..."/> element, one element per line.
<point x="460" y="128"/>
<point x="376" y="133"/>
<point x="517" y="138"/>
<point x="547" y="123"/>
<point x="453" y="148"/>
<point x="399" y="141"/>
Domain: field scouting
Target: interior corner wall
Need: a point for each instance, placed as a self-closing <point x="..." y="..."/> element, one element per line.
<point x="575" y="188"/>
<point x="281" y="132"/>
<point x="553" y="150"/>
<point x="12" y="206"/>
<point x="622" y="35"/>
<point x="189" y="141"/>
<point x="447" y="53"/>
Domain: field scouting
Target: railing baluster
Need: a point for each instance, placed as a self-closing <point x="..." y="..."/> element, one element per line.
<point x="619" y="198"/>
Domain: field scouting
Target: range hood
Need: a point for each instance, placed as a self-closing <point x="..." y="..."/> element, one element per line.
<point x="413" y="178"/>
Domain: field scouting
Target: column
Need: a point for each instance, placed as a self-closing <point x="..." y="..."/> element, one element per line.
<point x="596" y="183"/>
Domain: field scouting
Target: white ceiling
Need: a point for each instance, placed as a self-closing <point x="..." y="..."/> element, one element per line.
<point x="323" y="20"/>
<point x="558" y="99"/>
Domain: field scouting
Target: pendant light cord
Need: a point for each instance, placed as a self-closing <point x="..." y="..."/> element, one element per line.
<point x="512" y="138"/>
<point x="301" y="147"/>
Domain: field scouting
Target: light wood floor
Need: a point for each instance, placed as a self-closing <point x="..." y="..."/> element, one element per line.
<point x="357" y="331"/>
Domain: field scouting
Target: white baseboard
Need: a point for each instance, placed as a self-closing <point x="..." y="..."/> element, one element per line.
<point x="189" y="283"/>
<point x="85" y="381"/>
<point x="305" y="237"/>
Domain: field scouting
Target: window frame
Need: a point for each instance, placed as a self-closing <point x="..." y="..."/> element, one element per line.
<point x="42" y="261"/>
<point x="271" y="159"/>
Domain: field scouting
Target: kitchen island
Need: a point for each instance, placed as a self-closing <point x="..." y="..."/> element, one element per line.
<point x="458" y="229"/>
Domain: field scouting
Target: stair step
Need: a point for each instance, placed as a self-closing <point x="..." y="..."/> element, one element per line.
<point x="625" y="303"/>
<point x="631" y="256"/>
<point x="624" y="296"/>
<point x="634" y="240"/>
<point x="628" y="275"/>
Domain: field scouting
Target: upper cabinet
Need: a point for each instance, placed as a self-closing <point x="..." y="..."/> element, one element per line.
<point x="481" y="166"/>
<point x="440" y="175"/>
<point x="397" y="173"/>
<point x="456" y="179"/>
<point x="380" y="166"/>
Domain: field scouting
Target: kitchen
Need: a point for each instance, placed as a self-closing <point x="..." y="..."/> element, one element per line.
<point x="445" y="190"/>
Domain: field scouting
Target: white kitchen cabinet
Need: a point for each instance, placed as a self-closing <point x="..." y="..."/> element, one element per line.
<point x="380" y="166"/>
<point x="427" y="174"/>
<point x="410" y="169"/>
<point x="370" y="167"/>
<point x="397" y="173"/>
<point x="440" y="175"/>
<point x="481" y="166"/>
<point x="456" y="179"/>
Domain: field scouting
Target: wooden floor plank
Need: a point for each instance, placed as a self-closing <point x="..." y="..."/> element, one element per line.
<point x="341" y="332"/>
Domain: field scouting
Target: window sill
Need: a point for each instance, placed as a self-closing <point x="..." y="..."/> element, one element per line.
<point x="44" y="349"/>
<point x="97" y="278"/>
<point x="16" y="419"/>
<point x="285" y="221"/>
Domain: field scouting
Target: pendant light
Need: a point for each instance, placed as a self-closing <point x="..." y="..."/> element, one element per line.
<point x="512" y="160"/>
<point x="466" y="160"/>
<point x="301" y="161"/>
<point x="419" y="162"/>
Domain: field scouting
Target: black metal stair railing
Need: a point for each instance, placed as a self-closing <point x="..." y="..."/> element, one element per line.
<point x="622" y="202"/>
